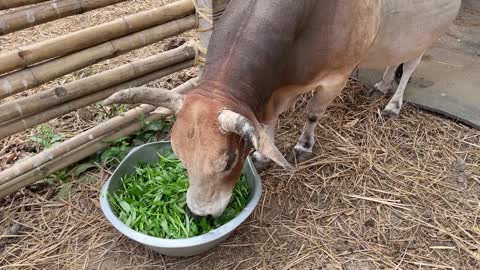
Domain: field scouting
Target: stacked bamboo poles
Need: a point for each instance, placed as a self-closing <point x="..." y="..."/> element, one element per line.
<point x="79" y="147"/>
<point x="46" y="12"/>
<point x="117" y="37"/>
<point x="63" y="45"/>
<point x="27" y="78"/>
<point x="13" y="127"/>
<point x="6" y="4"/>
<point x="44" y="100"/>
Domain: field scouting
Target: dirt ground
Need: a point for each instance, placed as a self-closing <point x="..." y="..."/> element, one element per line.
<point x="379" y="194"/>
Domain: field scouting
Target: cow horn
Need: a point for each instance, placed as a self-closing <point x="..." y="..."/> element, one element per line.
<point x="239" y="124"/>
<point x="145" y="95"/>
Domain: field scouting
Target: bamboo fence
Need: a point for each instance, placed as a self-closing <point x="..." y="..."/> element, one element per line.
<point x="46" y="12"/>
<point x="79" y="147"/>
<point x="7" y="4"/>
<point x="41" y="101"/>
<point x="27" y="78"/>
<point x="34" y="64"/>
<point x="63" y="45"/>
<point x="13" y="127"/>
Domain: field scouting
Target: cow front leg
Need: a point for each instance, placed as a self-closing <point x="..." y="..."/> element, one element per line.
<point x="316" y="107"/>
<point x="392" y="110"/>
<point x="386" y="84"/>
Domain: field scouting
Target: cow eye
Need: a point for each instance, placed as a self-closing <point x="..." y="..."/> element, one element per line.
<point x="230" y="161"/>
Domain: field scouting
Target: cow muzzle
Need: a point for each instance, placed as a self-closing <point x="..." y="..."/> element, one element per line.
<point x="202" y="204"/>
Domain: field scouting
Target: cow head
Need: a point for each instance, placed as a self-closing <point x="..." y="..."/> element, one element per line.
<point x="211" y="138"/>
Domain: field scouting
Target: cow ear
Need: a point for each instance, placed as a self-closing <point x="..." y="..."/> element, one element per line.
<point x="239" y="124"/>
<point x="268" y="148"/>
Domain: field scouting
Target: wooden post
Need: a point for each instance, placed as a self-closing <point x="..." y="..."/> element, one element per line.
<point x="46" y="12"/>
<point x="208" y="12"/>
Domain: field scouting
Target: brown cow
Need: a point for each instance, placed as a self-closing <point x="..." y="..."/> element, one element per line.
<point x="262" y="55"/>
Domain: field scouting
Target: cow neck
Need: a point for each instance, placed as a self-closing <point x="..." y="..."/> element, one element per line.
<point x="241" y="96"/>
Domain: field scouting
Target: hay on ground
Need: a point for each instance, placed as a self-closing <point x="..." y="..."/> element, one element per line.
<point x="379" y="194"/>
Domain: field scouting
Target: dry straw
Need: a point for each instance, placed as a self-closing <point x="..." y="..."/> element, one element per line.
<point x="379" y="194"/>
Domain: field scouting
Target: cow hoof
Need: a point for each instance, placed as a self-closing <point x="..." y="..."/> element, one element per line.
<point x="297" y="156"/>
<point x="260" y="161"/>
<point x="382" y="87"/>
<point x="390" y="114"/>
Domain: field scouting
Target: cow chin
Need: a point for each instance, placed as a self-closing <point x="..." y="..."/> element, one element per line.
<point x="201" y="204"/>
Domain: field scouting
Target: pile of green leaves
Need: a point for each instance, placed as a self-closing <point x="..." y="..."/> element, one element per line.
<point x="153" y="201"/>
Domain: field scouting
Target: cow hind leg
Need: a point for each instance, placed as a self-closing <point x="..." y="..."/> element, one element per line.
<point x="386" y="84"/>
<point x="392" y="110"/>
<point x="316" y="107"/>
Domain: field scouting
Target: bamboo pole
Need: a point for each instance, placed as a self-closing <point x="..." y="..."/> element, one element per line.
<point x="6" y="4"/>
<point x="43" y="100"/>
<point x="13" y="127"/>
<point x="63" y="45"/>
<point x="71" y="144"/>
<point x="79" y="147"/>
<point x="70" y="158"/>
<point x="33" y="76"/>
<point x="46" y="12"/>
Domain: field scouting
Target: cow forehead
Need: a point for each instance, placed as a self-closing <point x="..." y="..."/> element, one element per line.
<point x="197" y="128"/>
<point x="197" y="133"/>
<point x="199" y="107"/>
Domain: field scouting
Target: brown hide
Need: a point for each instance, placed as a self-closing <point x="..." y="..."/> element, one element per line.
<point x="263" y="53"/>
